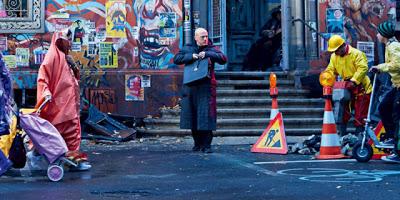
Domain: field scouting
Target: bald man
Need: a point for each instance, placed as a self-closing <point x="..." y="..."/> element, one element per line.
<point x="198" y="104"/>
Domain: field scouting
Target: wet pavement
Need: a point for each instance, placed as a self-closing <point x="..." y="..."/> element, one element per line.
<point x="165" y="168"/>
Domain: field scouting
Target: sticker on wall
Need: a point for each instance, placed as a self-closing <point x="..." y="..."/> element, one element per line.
<point x="167" y="25"/>
<point x="116" y="18"/>
<point x="101" y="35"/>
<point x="92" y="49"/>
<point x="90" y="26"/>
<point x="22" y="55"/>
<point x="60" y="24"/>
<point x="92" y="37"/>
<point x="76" y="46"/>
<point x="133" y="88"/>
<point x="135" y="32"/>
<point x="368" y="49"/>
<point x="10" y="61"/>
<point x="3" y="43"/>
<point x="334" y="20"/>
<point x="108" y="55"/>
<point x="146" y="81"/>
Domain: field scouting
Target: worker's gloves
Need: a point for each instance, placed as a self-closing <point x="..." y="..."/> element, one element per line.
<point x="374" y="69"/>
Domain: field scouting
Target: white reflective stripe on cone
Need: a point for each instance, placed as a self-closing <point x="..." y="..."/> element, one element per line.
<point x="330" y="140"/>
<point x="329" y="118"/>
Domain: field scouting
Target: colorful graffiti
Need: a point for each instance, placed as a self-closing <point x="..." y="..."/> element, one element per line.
<point x="361" y="17"/>
<point x="103" y="99"/>
<point x="157" y="48"/>
<point x="152" y="35"/>
<point x="143" y="32"/>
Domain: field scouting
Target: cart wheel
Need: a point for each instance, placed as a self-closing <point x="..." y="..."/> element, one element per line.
<point x="362" y="155"/>
<point x="55" y="172"/>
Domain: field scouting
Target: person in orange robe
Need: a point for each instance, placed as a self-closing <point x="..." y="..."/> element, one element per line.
<point x="58" y="81"/>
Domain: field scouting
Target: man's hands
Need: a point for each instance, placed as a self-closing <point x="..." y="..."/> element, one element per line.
<point x="201" y="55"/>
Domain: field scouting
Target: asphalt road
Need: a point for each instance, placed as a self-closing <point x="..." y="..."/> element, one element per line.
<point x="167" y="169"/>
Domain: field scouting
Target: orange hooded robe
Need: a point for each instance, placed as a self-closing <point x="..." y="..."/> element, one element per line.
<point x="57" y="79"/>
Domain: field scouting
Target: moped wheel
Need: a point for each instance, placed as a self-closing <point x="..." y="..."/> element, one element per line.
<point x="55" y="172"/>
<point x="362" y="154"/>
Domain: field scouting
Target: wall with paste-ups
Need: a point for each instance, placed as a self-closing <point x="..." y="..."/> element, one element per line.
<point x="356" y="21"/>
<point x="124" y="48"/>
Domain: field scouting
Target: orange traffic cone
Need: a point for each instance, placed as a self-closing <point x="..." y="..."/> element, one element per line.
<point x="330" y="146"/>
<point x="273" y="92"/>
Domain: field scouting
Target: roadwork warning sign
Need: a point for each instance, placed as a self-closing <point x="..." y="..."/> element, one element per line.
<point x="273" y="139"/>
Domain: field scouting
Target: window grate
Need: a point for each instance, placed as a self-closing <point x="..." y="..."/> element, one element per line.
<point x="16" y="8"/>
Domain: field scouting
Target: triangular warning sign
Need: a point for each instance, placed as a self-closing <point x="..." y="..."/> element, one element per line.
<point x="379" y="132"/>
<point x="273" y="139"/>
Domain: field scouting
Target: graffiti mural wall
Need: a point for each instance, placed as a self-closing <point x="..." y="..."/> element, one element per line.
<point x="357" y="20"/>
<point x="111" y="39"/>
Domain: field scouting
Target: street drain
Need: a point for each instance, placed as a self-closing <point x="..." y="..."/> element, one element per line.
<point x="119" y="193"/>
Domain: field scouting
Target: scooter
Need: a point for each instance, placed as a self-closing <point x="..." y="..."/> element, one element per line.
<point x="362" y="150"/>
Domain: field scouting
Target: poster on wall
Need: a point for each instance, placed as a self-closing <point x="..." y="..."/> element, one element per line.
<point x="146" y="81"/>
<point x="108" y="55"/>
<point x="78" y="32"/>
<point x="22" y="55"/>
<point x="60" y="24"/>
<point x="167" y="25"/>
<point x="334" y="20"/>
<point x="10" y="61"/>
<point x="92" y="49"/>
<point x="135" y="32"/>
<point x="76" y="46"/>
<point x="101" y="35"/>
<point x="133" y="88"/>
<point x="115" y="19"/>
<point x="368" y="49"/>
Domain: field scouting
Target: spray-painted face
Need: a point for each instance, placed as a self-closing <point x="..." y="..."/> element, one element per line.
<point x="155" y="50"/>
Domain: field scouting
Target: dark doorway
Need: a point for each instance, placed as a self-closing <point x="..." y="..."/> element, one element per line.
<point x="245" y="18"/>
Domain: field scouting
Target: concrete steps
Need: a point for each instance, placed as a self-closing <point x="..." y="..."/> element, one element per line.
<point x="228" y="132"/>
<point x="243" y="108"/>
<point x="226" y="113"/>
<point x="243" y="93"/>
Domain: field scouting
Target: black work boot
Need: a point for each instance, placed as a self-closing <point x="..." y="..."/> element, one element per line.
<point x="196" y="141"/>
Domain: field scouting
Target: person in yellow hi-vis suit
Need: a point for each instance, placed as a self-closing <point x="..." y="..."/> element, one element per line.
<point x="389" y="108"/>
<point x="352" y="65"/>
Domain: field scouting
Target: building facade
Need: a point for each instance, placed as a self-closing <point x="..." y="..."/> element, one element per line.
<point x="125" y="47"/>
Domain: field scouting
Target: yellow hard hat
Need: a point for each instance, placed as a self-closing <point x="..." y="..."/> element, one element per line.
<point x="334" y="43"/>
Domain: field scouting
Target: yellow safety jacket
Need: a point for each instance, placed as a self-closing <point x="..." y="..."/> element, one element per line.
<point x="392" y="61"/>
<point x="353" y="66"/>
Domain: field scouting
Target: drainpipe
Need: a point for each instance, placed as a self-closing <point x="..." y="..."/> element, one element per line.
<point x="286" y="29"/>
<point x="187" y="23"/>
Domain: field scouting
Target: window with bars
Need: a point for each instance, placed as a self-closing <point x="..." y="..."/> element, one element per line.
<point x="22" y="16"/>
<point x="16" y="8"/>
<point x="217" y="26"/>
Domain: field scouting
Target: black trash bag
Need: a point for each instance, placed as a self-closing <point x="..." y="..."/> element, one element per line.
<point x="314" y="141"/>
<point x="17" y="152"/>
